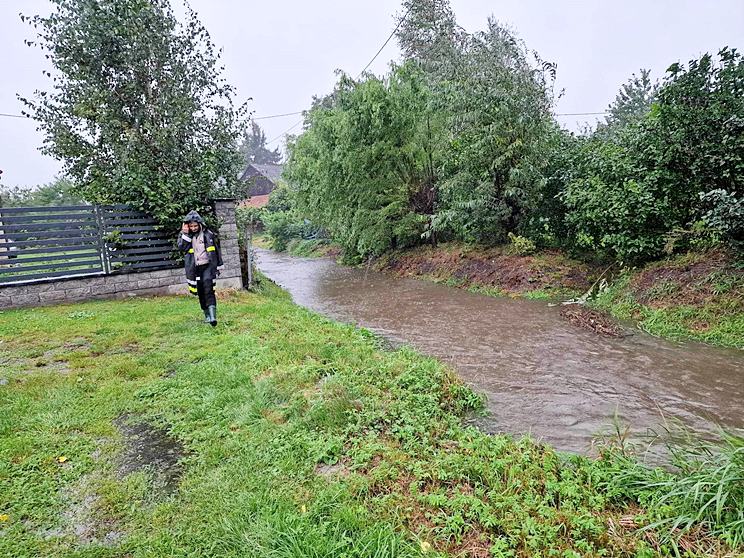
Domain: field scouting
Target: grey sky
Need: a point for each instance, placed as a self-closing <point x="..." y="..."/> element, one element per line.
<point x="283" y="52"/>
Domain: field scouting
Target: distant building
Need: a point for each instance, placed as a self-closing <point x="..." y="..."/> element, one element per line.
<point x="262" y="178"/>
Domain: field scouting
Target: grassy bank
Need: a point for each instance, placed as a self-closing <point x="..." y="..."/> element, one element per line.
<point x="314" y="248"/>
<point x="494" y="271"/>
<point x="696" y="296"/>
<point x="129" y="428"/>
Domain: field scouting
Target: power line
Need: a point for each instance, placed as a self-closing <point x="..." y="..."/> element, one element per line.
<point x="276" y="115"/>
<point x="285" y="133"/>
<point x="13" y="115"/>
<point x="581" y="113"/>
<point x="386" y="42"/>
<point x="360" y="73"/>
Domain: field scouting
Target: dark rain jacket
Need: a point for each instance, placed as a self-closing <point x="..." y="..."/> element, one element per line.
<point x="211" y="245"/>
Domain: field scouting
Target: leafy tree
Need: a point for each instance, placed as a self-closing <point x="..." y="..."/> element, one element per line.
<point x="253" y="146"/>
<point x="59" y="192"/>
<point x="365" y="167"/>
<point x="138" y="111"/>
<point x="632" y="103"/>
<point x="652" y="178"/>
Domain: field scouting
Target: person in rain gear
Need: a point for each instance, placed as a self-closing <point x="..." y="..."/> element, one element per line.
<point x="202" y="258"/>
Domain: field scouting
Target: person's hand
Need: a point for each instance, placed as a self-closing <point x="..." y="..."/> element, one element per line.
<point x="185" y="228"/>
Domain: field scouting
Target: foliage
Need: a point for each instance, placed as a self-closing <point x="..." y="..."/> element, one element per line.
<point x="726" y="214"/>
<point x="646" y="181"/>
<point x="283" y="226"/>
<point x="253" y="146"/>
<point x="708" y="490"/>
<point x="138" y="112"/>
<point x="632" y="103"/>
<point x="365" y="167"/>
<point x="521" y="246"/>
<point x="451" y="143"/>
<point x="59" y="192"/>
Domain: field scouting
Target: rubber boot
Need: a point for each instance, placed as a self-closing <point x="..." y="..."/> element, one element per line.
<point x="212" y="314"/>
<point x="206" y="316"/>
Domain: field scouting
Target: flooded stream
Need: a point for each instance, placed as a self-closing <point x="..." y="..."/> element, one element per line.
<point x="541" y="374"/>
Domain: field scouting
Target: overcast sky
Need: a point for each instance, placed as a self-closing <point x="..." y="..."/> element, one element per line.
<point x="281" y="53"/>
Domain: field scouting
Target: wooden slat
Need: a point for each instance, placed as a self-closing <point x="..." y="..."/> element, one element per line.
<point x="50" y="249"/>
<point x="52" y="257"/>
<point x="145" y="250"/>
<point x="143" y="236"/>
<point x="118" y="207"/>
<point x="153" y="242"/>
<point x="48" y="234"/>
<point x="133" y="228"/>
<point x="142" y="257"/>
<point x="114" y="222"/>
<point x="16" y="269"/>
<point x="34" y="277"/>
<point x="59" y="242"/>
<point x="51" y="217"/>
<point x="47" y="209"/>
<point x="62" y="225"/>
<point x="113" y="214"/>
<point x="169" y="263"/>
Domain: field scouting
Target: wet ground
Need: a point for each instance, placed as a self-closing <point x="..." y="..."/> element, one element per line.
<point x="541" y="374"/>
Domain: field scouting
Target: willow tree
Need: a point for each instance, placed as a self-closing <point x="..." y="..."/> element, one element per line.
<point x="137" y="111"/>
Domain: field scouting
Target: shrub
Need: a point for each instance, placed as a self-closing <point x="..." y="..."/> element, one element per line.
<point x="521" y="246"/>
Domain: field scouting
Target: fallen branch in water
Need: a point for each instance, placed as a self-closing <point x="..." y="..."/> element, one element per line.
<point x="599" y="322"/>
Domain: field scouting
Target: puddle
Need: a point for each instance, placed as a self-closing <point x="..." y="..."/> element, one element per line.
<point x="150" y="450"/>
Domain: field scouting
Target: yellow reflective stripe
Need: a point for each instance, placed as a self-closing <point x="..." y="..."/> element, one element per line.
<point x="193" y="289"/>
<point x="191" y="250"/>
<point x="210" y="248"/>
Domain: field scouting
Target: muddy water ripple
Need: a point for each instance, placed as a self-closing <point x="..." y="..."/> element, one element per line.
<point x="541" y="374"/>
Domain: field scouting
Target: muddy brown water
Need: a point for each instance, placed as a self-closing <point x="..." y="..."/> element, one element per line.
<point x="542" y="374"/>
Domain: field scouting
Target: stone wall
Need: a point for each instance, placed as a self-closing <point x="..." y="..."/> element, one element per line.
<point x="125" y="285"/>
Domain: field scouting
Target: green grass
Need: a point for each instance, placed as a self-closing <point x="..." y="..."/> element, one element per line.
<point x="263" y="404"/>
<point x="720" y="321"/>
<point x="312" y="248"/>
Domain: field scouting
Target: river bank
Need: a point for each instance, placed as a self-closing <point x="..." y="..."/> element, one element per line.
<point x="691" y="296"/>
<point x="128" y="425"/>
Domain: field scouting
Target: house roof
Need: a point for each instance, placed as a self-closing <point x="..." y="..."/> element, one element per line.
<point x="272" y="172"/>
<point x="256" y="201"/>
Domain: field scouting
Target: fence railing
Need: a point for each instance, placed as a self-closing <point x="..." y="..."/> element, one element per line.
<point x="44" y="243"/>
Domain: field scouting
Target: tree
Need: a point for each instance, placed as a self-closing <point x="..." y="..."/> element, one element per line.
<point x="681" y="164"/>
<point x="59" y="192"/>
<point x="253" y="147"/>
<point x="631" y="104"/>
<point x="138" y="112"/>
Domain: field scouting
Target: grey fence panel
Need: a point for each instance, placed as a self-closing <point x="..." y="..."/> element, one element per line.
<point x="47" y="234"/>
<point x="140" y="241"/>
<point x="42" y="243"/>
<point x="77" y="241"/>
<point x="32" y="218"/>
<point x="49" y="209"/>
<point x="34" y="277"/>
<point x="54" y="257"/>
<point x="70" y="265"/>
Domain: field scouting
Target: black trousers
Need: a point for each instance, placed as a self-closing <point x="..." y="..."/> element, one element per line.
<point x="205" y="289"/>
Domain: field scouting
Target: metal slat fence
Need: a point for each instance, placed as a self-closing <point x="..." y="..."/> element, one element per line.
<point x="50" y="243"/>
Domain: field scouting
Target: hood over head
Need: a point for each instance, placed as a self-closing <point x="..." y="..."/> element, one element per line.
<point x="193" y="217"/>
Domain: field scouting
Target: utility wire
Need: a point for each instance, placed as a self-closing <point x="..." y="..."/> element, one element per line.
<point x="13" y="115"/>
<point x="360" y="73"/>
<point x="276" y="115"/>
<point x="386" y="42"/>
<point x="581" y="113"/>
<point x="285" y="133"/>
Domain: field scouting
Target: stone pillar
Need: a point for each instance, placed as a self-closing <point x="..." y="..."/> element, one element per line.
<point x="230" y="276"/>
